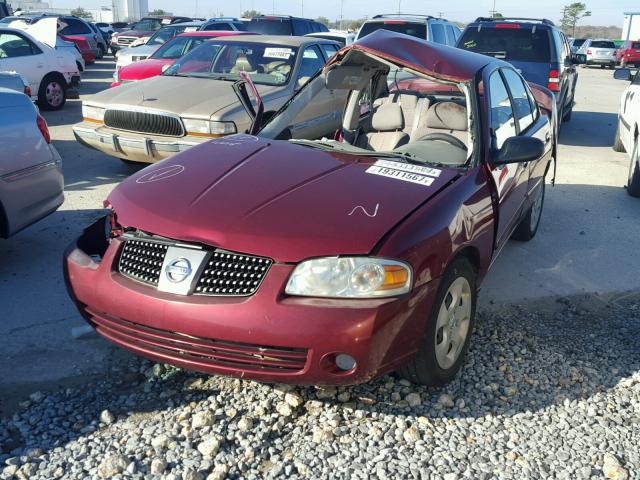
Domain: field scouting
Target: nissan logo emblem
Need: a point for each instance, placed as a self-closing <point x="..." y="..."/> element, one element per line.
<point x="177" y="270"/>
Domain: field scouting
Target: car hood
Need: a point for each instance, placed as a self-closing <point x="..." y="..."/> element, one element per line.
<point x="185" y="96"/>
<point x="270" y="198"/>
<point x="139" y="50"/>
<point x="143" y="69"/>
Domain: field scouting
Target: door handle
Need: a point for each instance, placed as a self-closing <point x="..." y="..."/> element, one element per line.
<point x="547" y="137"/>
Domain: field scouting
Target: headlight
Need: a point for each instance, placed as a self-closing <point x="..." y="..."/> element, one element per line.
<point x="209" y="127"/>
<point x="93" y="113"/>
<point x="350" y="277"/>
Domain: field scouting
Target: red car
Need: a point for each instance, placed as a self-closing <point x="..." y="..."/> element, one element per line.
<point x="628" y="53"/>
<point x="166" y="55"/>
<point x="83" y="47"/>
<point x="328" y="261"/>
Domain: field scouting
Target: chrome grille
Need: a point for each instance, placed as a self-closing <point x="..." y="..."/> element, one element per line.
<point x="229" y="273"/>
<point x="144" y="122"/>
<point x="142" y="260"/>
<point x="224" y="273"/>
<point x="126" y="40"/>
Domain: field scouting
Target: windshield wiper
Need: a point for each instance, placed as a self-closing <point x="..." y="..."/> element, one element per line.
<point x="312" y="143"/>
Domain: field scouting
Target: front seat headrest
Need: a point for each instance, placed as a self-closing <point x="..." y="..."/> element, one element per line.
<point x="387" y="118"/>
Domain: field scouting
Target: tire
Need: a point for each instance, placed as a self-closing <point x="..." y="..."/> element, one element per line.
<point x="114" y="51"/>
<point x="567" y="115"/>
<point x="101" y="52"/>
<point x="618" y="146"/>
<point x="436" y="366"/>
<point x="52" y="94"/>
<point x="79" y="65"/>
<point x="633" y="184"/>
<point x="528" y="226"/>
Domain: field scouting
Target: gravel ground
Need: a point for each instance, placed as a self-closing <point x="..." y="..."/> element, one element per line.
<point x="552" y="394"/>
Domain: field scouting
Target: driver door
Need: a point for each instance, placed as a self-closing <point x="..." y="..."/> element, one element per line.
<point x="511" y="181"/>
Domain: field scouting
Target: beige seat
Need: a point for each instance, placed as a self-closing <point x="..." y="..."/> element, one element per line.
<point x="443" y="117"/>
<point x="410" y="104"/>
<point x="243" y="65"/>
<point x="387" y="122"/>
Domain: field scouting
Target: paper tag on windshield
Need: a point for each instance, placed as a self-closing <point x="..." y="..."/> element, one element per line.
<point x="400" y="175"/>
<point x="408" y="167"/>
<point x="191" y="29"/>
<point x="165" y="21"/>
<point x="283" y="53"/>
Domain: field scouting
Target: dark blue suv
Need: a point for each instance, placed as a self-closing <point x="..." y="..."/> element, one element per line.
<point x="535" y="47"/>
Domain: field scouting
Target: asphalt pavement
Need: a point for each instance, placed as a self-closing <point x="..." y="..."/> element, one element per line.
<point x="587" y="242"/>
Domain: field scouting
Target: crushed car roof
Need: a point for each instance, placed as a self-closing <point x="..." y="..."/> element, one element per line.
<point x="432" y="59"/>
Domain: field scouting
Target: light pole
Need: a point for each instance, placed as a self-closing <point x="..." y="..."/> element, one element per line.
<point x="399" y="5"/>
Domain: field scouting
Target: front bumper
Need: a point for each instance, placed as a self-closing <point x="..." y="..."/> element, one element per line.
<point x="267" y="336"/>
<point x="132" y="146"/>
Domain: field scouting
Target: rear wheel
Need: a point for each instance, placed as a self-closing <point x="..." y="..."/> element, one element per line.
<point x="568" y="113"/>
<point x="52" y="94"/>
<point x="446" y="338"/>
<point x="618" y="146"/>
<point x="528" y="226"/>
<point x="633" y="184"/>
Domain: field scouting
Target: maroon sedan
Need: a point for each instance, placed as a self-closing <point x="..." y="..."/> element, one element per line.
<point x="327" y="261"/>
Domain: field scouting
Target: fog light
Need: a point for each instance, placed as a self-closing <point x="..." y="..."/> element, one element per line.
<point x="345" y="362"/>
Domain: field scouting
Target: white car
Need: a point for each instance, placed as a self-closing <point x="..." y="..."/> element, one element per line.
<point x="50" y="73"/>
<point x="628" y="124"/>
<point x="343" y="38"/>
<point x="31" y="182"/>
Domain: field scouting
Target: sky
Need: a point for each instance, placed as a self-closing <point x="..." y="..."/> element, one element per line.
<point x="604" y="12"/>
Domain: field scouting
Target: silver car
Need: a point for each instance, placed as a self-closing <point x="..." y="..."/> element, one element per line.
<point x="31" y="182"/>
<point x="599" y="52"/>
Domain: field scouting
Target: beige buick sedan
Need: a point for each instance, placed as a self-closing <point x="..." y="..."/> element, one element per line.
<point x="194" y="101"/>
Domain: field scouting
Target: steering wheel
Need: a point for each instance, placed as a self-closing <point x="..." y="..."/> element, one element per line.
<point x="445" y="137"/>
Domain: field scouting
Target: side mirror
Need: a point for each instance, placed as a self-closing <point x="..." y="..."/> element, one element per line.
<point x="622" y="74"/>
<point x="519" y="150"/>
<point x="579" y="59"/>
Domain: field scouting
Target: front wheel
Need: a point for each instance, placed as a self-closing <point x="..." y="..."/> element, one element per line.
<point x="51" y="94"/>
<point x="446" y="338"/>
<point x="618" y="146"/>
<point x="528" y="226"/>
<point x="633" y="184"/>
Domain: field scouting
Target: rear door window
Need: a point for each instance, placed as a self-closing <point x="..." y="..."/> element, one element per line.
<point x="413" y="29"/>
<point x="438" y="34"/>
<point x="636" y="45"/>
<point x="503" y="124"/>
<point x="301" y="27"/>
<point x="312" y="61"/>
<point x="329" y="50"/>
<point x="514" y="43"/>
<point x="451" y="36"/>
<point x="14" y="45"/>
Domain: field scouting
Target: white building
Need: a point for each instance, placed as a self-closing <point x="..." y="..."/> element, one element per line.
<point x="28" y="5"/>
<point x="631" y="26"/>
<point x="127" y="10"/>
<point x="103" y="14"/>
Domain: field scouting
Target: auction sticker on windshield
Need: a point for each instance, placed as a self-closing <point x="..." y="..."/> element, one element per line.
<point x="400" y="175"/>
<point x="408" y="167"/>
<point x="277" y="52"/>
